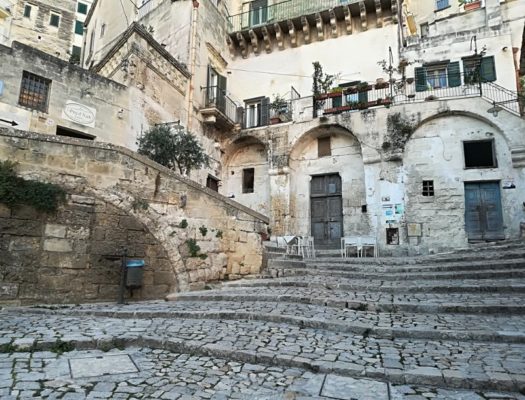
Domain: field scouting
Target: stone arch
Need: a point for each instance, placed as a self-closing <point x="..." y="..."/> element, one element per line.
<point x="346" y="159"/>
<point x="244" y="155"/>
<point x="434" y="153"/>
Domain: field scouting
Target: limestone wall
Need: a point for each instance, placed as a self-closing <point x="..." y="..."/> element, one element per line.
<point x="131" y="202"/>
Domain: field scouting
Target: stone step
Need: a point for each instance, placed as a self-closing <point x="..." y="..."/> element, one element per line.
<point x="442" y="363"/>
<point x="393" y="276"/>
<point x="379" y="325"/>
<point x="445" y="266"/>
<point x="401" y="303"/>
<point x="434" y="286"/>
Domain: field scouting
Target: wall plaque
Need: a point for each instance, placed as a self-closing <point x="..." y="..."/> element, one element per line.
<point x="79" y="113"/>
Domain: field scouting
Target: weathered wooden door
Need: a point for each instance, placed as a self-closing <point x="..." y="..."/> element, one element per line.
<point x="326" y="209"/>
<point x="483" y="213"/>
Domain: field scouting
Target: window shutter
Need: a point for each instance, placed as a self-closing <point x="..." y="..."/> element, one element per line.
<point x="363" y="97"/>
<point x="454" y="76"/>
<point x="488" y="69"/>
<point x="421" y="79"/>
<point x="265" y="111"/>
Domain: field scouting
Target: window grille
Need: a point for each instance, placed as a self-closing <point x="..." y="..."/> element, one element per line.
<point x="428" y="188"/>
<point x="34" y="92"/>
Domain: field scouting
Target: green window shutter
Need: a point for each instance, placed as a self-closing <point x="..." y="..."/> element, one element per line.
<point x="79" y="27"/>
<point x="265" y="111"/>
<point x="488" y="69"/>
<point x="421" y="79"/>
<point x="454" y="76"/>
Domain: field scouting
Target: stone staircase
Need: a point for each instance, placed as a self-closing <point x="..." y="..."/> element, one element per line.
<point x="447" y="326"/>
<point x="452" y="320"/>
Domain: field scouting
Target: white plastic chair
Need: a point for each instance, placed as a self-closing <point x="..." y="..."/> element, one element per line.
<point x="348" y="242"/>
<point x="369" y="241"/>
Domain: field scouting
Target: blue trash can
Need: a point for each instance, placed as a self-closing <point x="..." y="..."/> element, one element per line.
<point x="134" y="273"/>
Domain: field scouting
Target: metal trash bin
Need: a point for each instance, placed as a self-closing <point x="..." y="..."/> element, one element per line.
<point x="134" y="273"/>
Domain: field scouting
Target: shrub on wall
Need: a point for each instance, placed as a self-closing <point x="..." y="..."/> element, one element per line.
<point x="15" y="190"/>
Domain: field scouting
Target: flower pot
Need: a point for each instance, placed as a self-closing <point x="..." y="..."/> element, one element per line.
<point x="274" y="120"/>
<point x="472" y="6"/>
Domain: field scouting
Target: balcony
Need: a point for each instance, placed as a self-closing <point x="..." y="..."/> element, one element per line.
<point x="257" y="25"/>
<point x="365" y="96"/>
<point x="219" y="110"/>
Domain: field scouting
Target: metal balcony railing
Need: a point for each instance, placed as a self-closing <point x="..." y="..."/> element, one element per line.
<point x="215" y="97"/>
<point x="408" y="91"/>
<point x="282" y="11"/>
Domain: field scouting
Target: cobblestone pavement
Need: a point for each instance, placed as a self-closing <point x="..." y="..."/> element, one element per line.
<point x="311" y="335"/>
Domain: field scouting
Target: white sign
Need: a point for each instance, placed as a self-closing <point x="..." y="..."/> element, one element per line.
<point x="79" y="113"/>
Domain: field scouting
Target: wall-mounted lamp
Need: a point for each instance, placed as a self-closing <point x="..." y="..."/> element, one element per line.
<point x="505" y="48"/>
<point x="85" y="93"/>
<point x="495" y="109"/>
<point x="120" y="113"/>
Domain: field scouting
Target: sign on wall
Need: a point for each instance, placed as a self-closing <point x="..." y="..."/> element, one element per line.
<point x="79" y="114"/>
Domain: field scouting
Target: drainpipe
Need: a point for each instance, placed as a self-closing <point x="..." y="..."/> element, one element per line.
<point x="193" y="55"/>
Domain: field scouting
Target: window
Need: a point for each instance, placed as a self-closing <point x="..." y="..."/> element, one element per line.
<point x="212" y="183"/>
<point x="76" y="52"/>
<point x="324" y="147"/>
<point x="258" y="12"/>
<point x="475" y="68"/>
<point x="79" y="27"/>
<point x="82" y="8"/>
<point x="61" y="131"/>
<point x="428" y="188"/>
<point x="441" y="4"/>
<point x="248" y="179"/>
<point x="437" y="76"/>
<point x="102" y="30"/>
<point x="424" y="30"/>
<point x="392" y="236"/>
<point x="27" y="11"/>
<point x="34" y="91"/>
<point x="54" y="20"/>
<point x="257" y="112"/>
<point x="479" y="154"/>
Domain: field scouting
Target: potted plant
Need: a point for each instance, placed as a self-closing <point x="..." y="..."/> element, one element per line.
<point x="363" y="87"/>
<point x="469" y="5"/>
<point x="279" y="105"/>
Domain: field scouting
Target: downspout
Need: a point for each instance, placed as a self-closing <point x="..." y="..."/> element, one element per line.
<point x="193" y="55"/>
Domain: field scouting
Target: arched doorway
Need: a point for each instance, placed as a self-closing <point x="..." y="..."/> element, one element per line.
<point x="327" y="189"/>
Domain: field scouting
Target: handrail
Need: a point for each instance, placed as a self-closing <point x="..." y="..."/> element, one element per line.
<point x="503" y="97"/>
<point x="284" y="10"/>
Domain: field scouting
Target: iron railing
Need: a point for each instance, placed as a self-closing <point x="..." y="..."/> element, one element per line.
<point x="216" y="97"/>
<point x="282" y="11"/>
<point x="386" y="94"/>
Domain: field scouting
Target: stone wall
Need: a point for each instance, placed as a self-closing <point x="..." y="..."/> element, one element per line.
<point x="118" y="199"/>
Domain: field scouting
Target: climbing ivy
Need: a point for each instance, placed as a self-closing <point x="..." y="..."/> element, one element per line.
<point x="16" y="191"/>
<point x="399" y="129"/>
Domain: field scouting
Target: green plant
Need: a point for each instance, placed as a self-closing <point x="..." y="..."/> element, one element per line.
<point x="203" y="256"/>
<point x="362" y="86"/>
<point x="399" y="129"/>
<point x="193" y="247"/>
<point x="139" y="204"/>
<point x="336" y="89"/>
<point x="183" y="224"/>
<point x="15" y="190"/>
<point x="175" y="149"/>
<point x="203" y="230"/>
<point x="321" y="84"/>
<point x="219" y="234"/>
<point x="279" y="103"/>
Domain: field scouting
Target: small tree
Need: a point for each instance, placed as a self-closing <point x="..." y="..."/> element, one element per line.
<point x="321" y="84"/>
<point x="175" y="149"/>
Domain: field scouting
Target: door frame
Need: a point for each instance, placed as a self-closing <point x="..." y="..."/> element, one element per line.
<point x="494" y="181"/>
<point x="310" y="200"/>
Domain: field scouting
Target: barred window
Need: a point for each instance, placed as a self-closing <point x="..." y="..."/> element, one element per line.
<point x="428" y="188"/>
<point x="34" y="91"/>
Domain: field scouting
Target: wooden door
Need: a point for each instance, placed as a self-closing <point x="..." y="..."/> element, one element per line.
<point x="326" y="210"/>
<point x="483" y="213"/>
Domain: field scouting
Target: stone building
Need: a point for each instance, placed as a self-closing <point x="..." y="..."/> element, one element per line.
<point x="419" y="141"/>
<point x="55" y="27"/>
